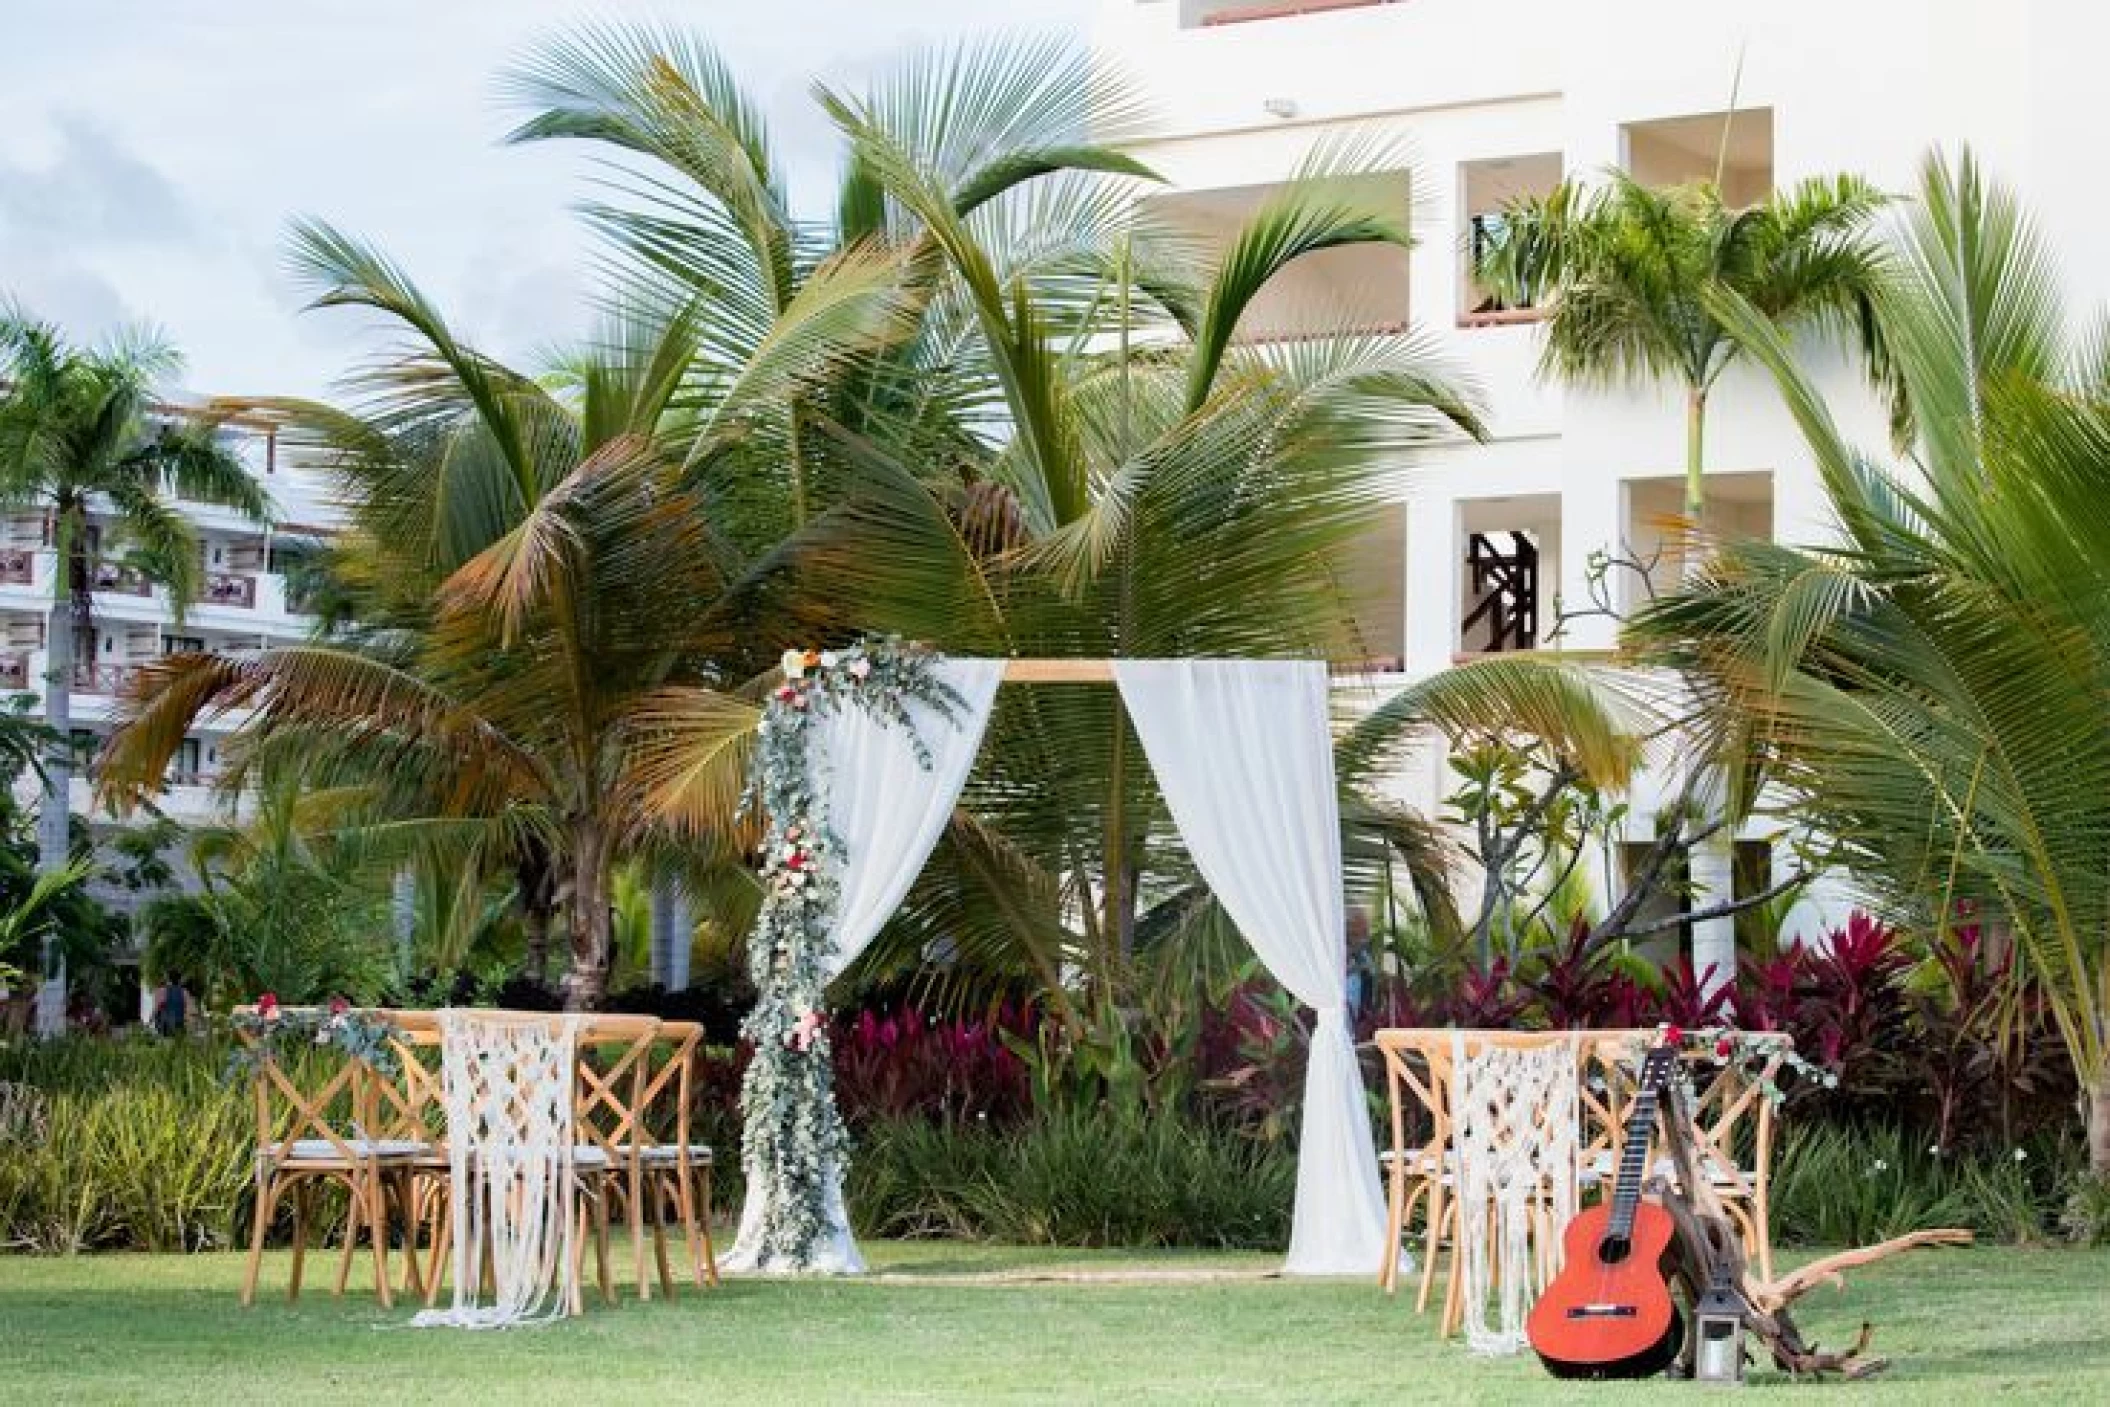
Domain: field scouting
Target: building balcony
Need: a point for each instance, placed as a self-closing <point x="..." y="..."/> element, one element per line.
<point x="229" y="589"/>
<point x="115" y="577"/>
<point x="1350" y="291"/>
<point x="103" y="678"/>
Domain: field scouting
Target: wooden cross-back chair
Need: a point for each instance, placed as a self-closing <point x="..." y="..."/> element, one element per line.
<point x="311" y="1138"/>
<point x="1732" y="1127"/>
<point x="1419" y="1078"/>
<point x="615" y="1056"/>
<point x="411" y="1105"/>
<point x="675" y="1167"/>
<point x="1414" y="1166"/>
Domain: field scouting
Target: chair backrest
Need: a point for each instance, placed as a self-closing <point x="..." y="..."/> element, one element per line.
<point x="296" y="1106"/>
<point x="411" y="1102"/>
<point x="669" y="1092"/>
<point x="1731" y="1113"/>
<point x="615" y="1055"/>
<point x="1417" y="1088"/>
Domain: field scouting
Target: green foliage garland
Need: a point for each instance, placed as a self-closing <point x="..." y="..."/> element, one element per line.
<point x="793" y="1134"/>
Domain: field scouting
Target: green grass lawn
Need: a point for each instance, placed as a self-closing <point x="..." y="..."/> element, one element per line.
<point x="1960" y="1325"/>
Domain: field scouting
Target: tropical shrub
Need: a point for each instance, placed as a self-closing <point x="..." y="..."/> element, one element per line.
<point x="1075" y="1178"/>
<point x="1840" y="1185"/>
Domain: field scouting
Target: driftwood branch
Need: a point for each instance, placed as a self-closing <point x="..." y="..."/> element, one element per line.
<point x="1797" y="1283"/>
<point x="1709" y="1250"/>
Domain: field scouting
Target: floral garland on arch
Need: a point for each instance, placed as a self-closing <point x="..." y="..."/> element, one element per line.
<point x="793" y="1136"/>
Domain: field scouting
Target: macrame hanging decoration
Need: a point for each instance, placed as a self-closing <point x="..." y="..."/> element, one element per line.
<point x="1513" y="1113"/>
<point x="508" y="1091"/>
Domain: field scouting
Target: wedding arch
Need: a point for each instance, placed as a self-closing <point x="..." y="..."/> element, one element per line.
<point x="863" y="755"/>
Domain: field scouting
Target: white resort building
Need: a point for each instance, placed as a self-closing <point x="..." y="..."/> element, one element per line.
<point x="1484" y="102"/>
<point x="245" y="602"/>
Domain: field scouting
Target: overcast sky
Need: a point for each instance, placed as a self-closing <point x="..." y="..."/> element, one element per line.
<point x="152" y="152"/>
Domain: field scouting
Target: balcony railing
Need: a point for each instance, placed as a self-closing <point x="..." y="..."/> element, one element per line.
<point x="14" y="671"/>
<point x="1502" y="317"/>
<point x="1281" y="9"/>
<point x="230" y="589"/>
<point x="113" y="576"/>
<point x="18" y="566"/>
<point x="102" y="678"/>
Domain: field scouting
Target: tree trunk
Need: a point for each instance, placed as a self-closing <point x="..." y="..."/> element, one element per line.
<point x="70" y="607"/>
<point x="586" y="984"/>
<point x="1695" y="455"/>
<point x="2099" y="1123"/>
<point x="403" y="918"/>
<point x="665" y="932"/>
<point x="535" y="880"/>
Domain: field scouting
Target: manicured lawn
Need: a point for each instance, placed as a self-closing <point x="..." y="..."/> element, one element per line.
<point x="1963" y="1326"/>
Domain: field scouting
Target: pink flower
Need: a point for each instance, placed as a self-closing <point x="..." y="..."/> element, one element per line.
<point x="267" y="1006"/>
<point x="339" y="1006"/>
<point x="1724" y="1048"/>
<point x="860" y="669"/>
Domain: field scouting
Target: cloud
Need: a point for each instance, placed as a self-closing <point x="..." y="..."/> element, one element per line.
<point x="93" y="191"/>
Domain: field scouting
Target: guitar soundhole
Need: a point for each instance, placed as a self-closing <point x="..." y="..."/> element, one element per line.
<point x="1614" y="1249"/>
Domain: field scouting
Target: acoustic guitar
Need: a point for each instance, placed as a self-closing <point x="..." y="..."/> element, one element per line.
<point x="1609" y="1313"/>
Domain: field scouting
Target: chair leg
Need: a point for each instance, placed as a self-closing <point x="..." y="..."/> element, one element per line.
<point x="655" y="1204"/>
<point x="637" y="1211"/>
<point x="442" y="1247"/>
<point x="355" y="1212"/>
<point x="377" y="1235"/>
<point x="303" y="1197"/>
<point x="1762" y="1224"/>
<point x="685" y="1207"/>
<point x="267" y="1191"/>
<point x="1395" y="1224"/>
<point x="575" y="1301"/>
<point x="600" y="1245"/>
<point x="703" y="1224"/>
<point x="1438" y="1209"/>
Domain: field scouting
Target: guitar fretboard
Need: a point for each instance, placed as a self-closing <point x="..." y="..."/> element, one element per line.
<point x="1633" y="1159"/>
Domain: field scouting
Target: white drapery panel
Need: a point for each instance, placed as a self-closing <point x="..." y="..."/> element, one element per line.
<point x="1244" y="753"/>
<point x="887" y="811"/>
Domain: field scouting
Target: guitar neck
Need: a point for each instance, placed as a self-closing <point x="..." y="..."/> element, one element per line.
<point x="1633" y="1160"/>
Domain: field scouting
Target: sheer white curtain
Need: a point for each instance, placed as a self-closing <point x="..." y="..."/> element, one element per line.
<point x="1244" y="753"/>
<point x="887" y="810"/>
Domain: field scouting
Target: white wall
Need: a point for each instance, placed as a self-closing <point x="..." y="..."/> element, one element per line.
<point x="1867" y="87"/>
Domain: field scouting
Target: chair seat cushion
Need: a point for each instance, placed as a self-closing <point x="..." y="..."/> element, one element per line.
<point x="322" y="1150"/>
<point x="1604" y="1166"/>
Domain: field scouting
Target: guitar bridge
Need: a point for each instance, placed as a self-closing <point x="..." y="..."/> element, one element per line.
<point x="1603" y="1311"/>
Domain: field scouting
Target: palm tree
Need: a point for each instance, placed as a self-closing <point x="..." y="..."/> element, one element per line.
<point x="571" y="587"/>
<point x="1932" y="690"/>
<point x="543" y="588"/>
<point x="1070" y="453"/>
<point x="79" y="440"/>
<point x="1629" y="275"/>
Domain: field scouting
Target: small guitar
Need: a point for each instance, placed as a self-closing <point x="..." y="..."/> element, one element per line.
<point x="1609" y="1313"/>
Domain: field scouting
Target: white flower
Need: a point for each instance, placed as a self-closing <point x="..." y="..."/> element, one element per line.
<point x="829" y="659"/>
<point x="2021" y="1155"/>
<point x="860" y="668"/>
<point x="794" y="663"/>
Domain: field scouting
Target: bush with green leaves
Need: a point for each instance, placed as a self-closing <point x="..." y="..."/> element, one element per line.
<point x="1836" y="1185"/>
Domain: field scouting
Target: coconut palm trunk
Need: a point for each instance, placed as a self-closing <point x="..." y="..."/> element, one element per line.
<point x="54" y="838"/>
<point x="586" y="982"/>
<point x="2099" y="1123"/>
